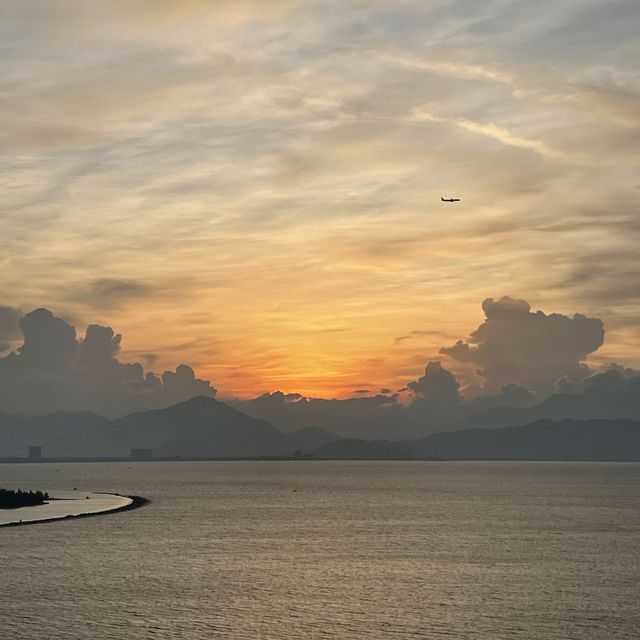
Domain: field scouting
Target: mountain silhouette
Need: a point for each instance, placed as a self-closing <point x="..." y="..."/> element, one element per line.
<point x="60" y="433"/>
<point x="598" y="440"/>
<point x="310" y="439"/>
<point x="199" y="427"/>
<point x="559" y="406"/>
<point x="204" y="427"/>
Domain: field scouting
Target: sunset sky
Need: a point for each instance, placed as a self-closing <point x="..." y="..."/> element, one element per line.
<point x="253" y="187"/>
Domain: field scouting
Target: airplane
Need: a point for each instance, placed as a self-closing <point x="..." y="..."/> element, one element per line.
<point x="449" y="199"/>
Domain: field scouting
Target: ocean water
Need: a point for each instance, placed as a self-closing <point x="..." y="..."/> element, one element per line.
<point x="308" y="549"/>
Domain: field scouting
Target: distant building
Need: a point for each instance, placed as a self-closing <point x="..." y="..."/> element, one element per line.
<point x="141" y="454"/>
<point x="35" y="453"/>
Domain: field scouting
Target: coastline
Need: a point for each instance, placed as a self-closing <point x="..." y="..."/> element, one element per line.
<point x="136" y="503"/>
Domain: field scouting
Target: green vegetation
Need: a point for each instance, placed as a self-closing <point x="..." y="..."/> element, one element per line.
<point x="10" y="499"/>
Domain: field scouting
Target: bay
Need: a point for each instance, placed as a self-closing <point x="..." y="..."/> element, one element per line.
<point x="310" y="549"/>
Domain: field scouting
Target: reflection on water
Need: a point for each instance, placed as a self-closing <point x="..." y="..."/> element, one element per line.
<point x="330" y="550"/>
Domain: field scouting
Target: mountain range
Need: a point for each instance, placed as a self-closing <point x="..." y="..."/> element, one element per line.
<point x="203" y="427"/>
<point x="199" y="427"/>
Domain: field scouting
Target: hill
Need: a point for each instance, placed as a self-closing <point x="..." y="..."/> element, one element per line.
<point x="598" y="440"/>
<point x="204" y="427"/>
<point x="199" y="427"/>
<point x="309" y="439"/>
<point x="55" y="432"/>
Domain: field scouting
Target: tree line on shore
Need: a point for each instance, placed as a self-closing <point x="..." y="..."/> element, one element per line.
<point x="10" y="499"/>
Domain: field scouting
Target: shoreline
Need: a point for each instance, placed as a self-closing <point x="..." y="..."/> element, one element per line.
<point x="136" y="503"/>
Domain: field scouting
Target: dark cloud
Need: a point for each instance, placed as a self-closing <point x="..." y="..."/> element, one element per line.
<point x="112" y="292"/>
<point x="49" y="342"/>
<point x="436" y="398"/>
<point x="437" y="385"/>
<point x="419" y="334"/>
<point x="115" y="293"/>
<point x="511" y="395"/>
<point x="611" y="393"/>
<point x="529" y="348"/>
<point x="54" y="371"/>
<point x="608" y="276"/>
<point x="611" y="379"/>
<point x="100" y="343"/>
<point x="184" y="384"/>
<point x="9" y="326"/>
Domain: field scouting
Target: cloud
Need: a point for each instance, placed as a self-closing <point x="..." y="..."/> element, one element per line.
<point x="496" y="132"/>
<point x="437" y="385"/>
<point x="150" y="358"/>
<point x="100" y="343"/>
<point x="446" y="68"/>
<point x="114" y="288"/>
<point x="49" y="342"/>
<point x="503" y="135"/>
<point x="111" y="293"/>
<point x="533" y="349"/>
<point x="613" y="380"/>
<point x="183" y="384"/>
<point x="435" y="400"/>
<point x="9" y="326"/>
<point x="53" y="370"/>
<point x="262" y="161"/>
<point x="421" y="333"/>
<point x="226" y="12"/>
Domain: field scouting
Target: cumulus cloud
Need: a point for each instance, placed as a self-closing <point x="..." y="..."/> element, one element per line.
<point x="612" y="393"/>
<point x="53" y="370"/>
<point x="615" y="380"/>
<point x="516" y="345"/>
<point x="437" y="385"/>
<point x="49" y="342"/>
<point x="184" y="384"/>
<point x="9" y="326"/>
<point x="435" y="400"/>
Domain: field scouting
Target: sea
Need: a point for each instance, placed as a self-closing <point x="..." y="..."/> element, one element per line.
<point x="315" y="549"/>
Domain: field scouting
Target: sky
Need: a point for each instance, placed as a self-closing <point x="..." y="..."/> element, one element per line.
<point x="253" y="187"/>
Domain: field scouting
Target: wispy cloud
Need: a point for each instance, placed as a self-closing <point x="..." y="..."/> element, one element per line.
<point x="257" y="174"/>
<point x="460" y="70"/>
